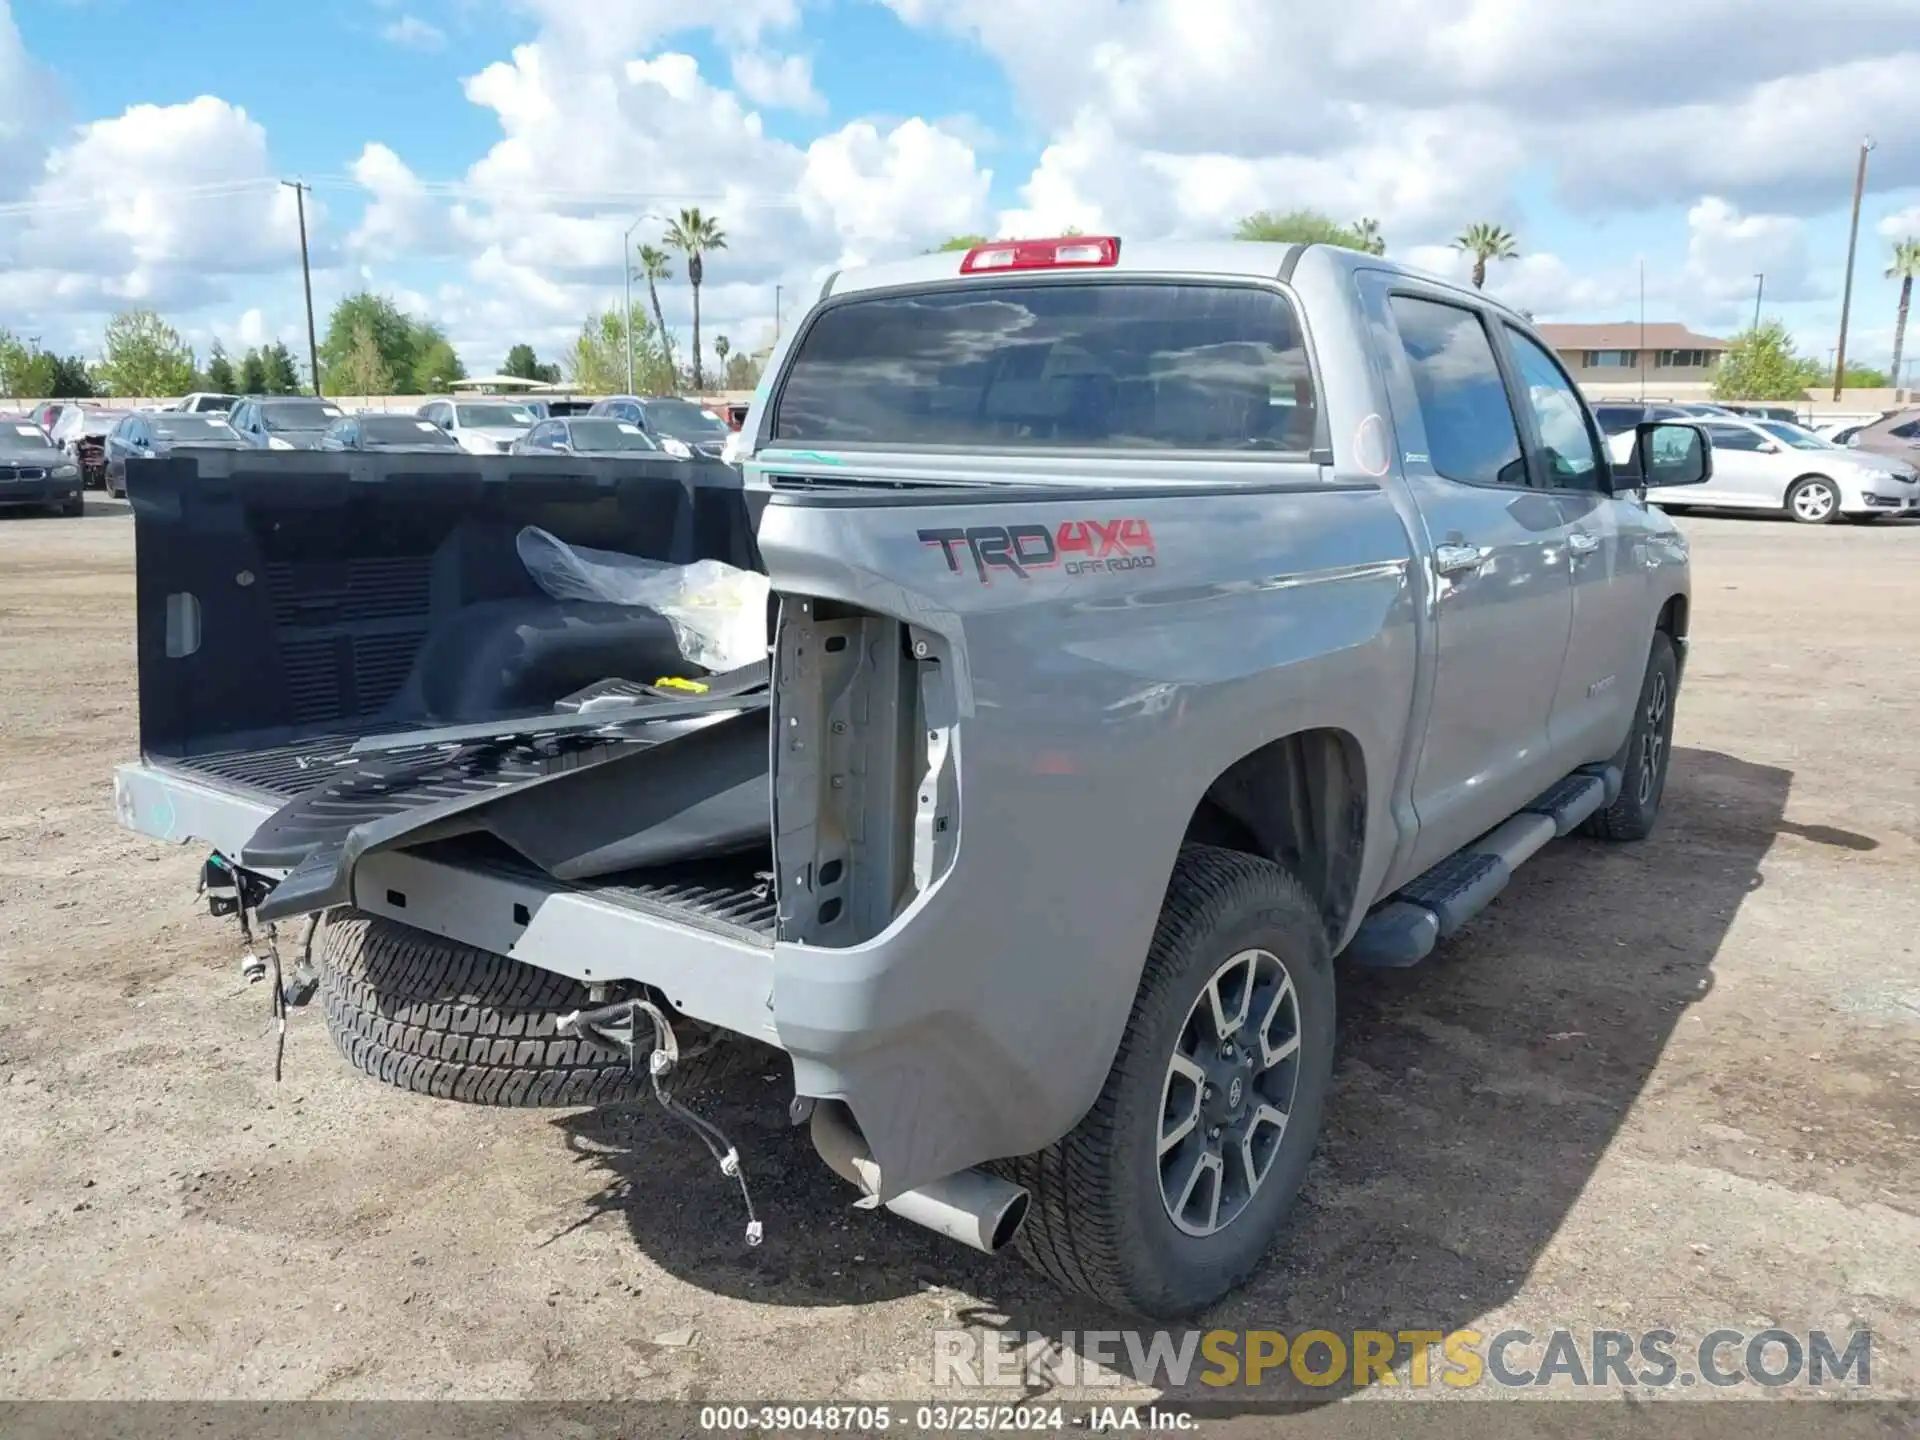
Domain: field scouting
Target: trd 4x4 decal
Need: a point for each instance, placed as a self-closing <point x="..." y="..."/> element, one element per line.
<point x="1080" y="547"/>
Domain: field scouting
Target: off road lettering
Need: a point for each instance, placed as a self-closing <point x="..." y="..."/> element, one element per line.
<point x="1083" y="547"/>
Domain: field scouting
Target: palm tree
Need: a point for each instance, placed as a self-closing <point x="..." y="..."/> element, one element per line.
<point x="693" y="234"/>
<point x="721" y="345"/>
<point x="1368" y="233"/>
<point x="1906" y="265"/>
<point x="656" y="266"/>
<point x="1485" y="242"/>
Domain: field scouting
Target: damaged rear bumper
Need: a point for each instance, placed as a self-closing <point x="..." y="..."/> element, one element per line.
<point x="714" y="973"/>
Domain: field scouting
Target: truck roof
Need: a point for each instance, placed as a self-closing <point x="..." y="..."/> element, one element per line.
<point x="1243" y="258"/>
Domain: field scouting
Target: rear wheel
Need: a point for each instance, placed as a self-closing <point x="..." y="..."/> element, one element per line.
<point x="446" y="1019"/>
<point x="1171" y="1190"/>
<point x="1643" y="759"/>
<point x="1814" y="500"/>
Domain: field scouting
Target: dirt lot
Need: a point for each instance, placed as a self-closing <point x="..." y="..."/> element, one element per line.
<point x="1675" y="1084"/>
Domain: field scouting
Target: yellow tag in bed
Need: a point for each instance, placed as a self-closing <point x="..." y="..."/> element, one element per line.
<point x="673" y="682"/>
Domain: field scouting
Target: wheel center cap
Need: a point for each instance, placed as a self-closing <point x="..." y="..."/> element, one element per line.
<point x="1234" y="1092"/>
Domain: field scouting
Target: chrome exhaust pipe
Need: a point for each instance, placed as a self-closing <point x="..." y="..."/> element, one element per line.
<point x="975" y="1207"/>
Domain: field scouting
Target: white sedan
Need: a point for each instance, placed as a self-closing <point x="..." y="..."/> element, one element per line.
<point x="1770" y="465"/>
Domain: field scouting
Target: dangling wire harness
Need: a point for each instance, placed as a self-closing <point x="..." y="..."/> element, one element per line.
<point x="618" y="1025"/>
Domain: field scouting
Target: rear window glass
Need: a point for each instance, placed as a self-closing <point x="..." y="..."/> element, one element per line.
<point x="1615" y="419"/>
<point x="1105" y="365"/>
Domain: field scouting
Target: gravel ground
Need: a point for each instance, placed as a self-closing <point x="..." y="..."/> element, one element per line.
<point x="1675" y="1084"/>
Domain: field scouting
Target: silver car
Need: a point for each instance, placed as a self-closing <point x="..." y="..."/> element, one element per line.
<point x="1774" y="465"/>
<point x="481" y="427"/>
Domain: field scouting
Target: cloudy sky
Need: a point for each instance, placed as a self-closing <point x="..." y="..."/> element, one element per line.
<point x="479" y="159"/>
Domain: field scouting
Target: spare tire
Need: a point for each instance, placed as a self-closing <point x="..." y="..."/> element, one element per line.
<point x="435" y="1016"/>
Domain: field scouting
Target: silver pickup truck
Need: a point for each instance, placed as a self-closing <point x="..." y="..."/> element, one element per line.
<point x="1151" y="627"/>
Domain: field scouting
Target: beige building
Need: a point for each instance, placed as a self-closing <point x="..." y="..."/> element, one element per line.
<point x="1629" y="359"/>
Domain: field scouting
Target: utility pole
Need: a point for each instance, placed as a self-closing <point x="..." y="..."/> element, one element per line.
<point x="626" y="272"/>
<point x="1641" y="353"/>
<point x="1758" y="290"/>
<point x="776" y="312"/>
<point x="1853" y="242"/>
<point x="300" y="189"/>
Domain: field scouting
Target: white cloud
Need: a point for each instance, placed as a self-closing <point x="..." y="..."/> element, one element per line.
<point x="1901" y="225"/>
<point x="783" y="82"/>
<point x="157" y="206"/>
<point x="413" y="33"/>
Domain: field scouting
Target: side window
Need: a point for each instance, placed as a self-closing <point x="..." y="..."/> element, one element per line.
<point x="541" y="437"/>
<point x="1471" y="434"/>
<point x="1571" y="459"/>
<point x="632" y="414"/>
<point x="1908" y="431"/>
<point x="1734" y="437"/>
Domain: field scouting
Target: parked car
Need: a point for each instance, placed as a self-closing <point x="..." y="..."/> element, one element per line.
<point x="1622" y="417"/>
<point x="48" y="415"/>
<point x="1133" y="659"/>
<point x="142" y="436"/>
<point x="35" y="471"/>
<point x="562" y="409"/>
<point x="283" y="422"/>
<point x="1752" y="411"/>
<point x="1774" y="465"/>
<point x="585" y="435"/>
<point x="1896" y="436"/>
<point x="205" y="402"/>
<point x="679" y="425"/>
<point x="383" y="431"/>
<point x="81" y="431"/>
<point x="481" y="427"/>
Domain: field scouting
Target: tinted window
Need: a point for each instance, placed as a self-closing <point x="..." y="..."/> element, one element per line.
<point x="21" y="435"/>
<point x="1108" y="364"/>
<point x="685" y="420"/>
<point x="495" y="416"/>
<point x="1471" y="433"/>
<point x="185" y="429"/>
<point x="299" y="414"/>
<point x="1908" y="431"/>
<point x="609" y="434"/>
<point x="1617" y="419"/>
<point x="402" y="430"/>
<point x="1734" y="437"/>
<point x="1572" y="460"/>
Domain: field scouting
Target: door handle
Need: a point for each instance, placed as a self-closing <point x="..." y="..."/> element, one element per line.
<point x="1453" y="559"/>
<point x="1581" y="543"/>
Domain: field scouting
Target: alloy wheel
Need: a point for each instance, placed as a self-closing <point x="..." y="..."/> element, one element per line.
<point x="1653" y="745"/>
<point x="1814" y="502"/>
<point x="1228" y="1092"/>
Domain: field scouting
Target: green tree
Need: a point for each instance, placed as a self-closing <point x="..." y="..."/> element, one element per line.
<point x="436" y="363"/>
<point x="1298" y="227"/>
<point x="721" y="345"/>
<point x="220" y="371"/>
<point x="388" y="327"/>
<point x="522" y="362"/>
<point x="1485" y="241"/>
<point x="144" y="356"/>
<point x="362" y="370"/>
<point x="598" y="359"/>
<point x="13" y="363"/>
<point x="56" y="377"/>
<point x="693" y="235"/>
<point x="282" y="376"/>
<point x="253" y="374"/>
<point x="1762" y="364"/>
<point x="656" y="265"/>
<point x="1865" y="377"/>
<point x="743" y="372"/>
<point x="958" y="242"/>
<point x="1367" y="232"/>
<point x="1906" y="265"/>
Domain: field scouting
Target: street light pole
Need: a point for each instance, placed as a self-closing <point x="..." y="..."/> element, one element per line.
<point x="776" y="312"/>
<point x="299" y="189"/>
<point x="1758" y="290"/>
<point x="1853" y="243"/>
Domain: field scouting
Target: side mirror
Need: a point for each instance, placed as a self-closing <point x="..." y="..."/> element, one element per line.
<point x="1768" y="447"/>
<point x="1665" y="454"/>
